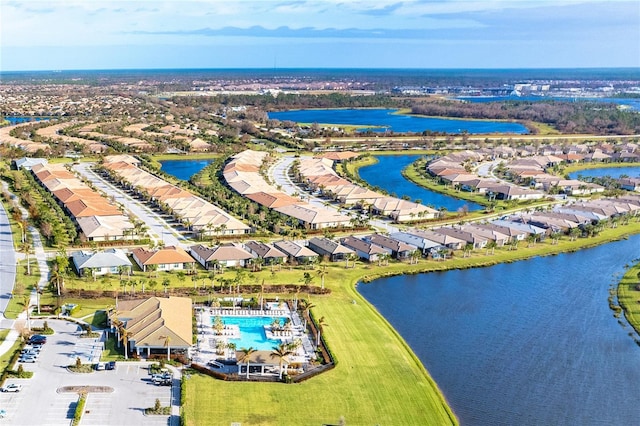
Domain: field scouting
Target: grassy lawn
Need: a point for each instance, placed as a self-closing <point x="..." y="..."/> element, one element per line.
<point x="6" y="357"/>
<point x="629" y="296"/>
<point x="22" y="289"/>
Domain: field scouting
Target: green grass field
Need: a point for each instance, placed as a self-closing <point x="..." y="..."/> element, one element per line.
<point x="629" y="296"/>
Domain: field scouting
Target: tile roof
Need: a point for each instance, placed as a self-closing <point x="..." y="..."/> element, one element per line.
<point x="155" y="320"/>
<point x="170" y="254"/>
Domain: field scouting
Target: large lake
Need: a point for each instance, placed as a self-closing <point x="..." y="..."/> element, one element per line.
<point x="386" y="174"/>
<point x="387" y="120"/>
<point x="526" y="343"/>
<point x="614" y="172"/>
<point x="184" y="169"/>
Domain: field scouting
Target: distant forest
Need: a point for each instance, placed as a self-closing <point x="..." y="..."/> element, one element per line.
<point x="567" y="117"/>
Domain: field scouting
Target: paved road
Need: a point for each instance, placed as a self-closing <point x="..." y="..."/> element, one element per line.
<point x="159" y="229"/>
<point x="8" y="261"/>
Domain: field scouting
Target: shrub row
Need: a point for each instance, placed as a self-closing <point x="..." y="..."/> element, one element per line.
<point x="77" y="415"/>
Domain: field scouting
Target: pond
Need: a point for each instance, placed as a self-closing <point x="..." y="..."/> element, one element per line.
<point x="614" y="172"/>
<point x="23" y="119"/>
<point x="528" y="343"/>
<point x="386" y="120"/>
<point x="184" y="169"/>
<point x="386" y="174"/>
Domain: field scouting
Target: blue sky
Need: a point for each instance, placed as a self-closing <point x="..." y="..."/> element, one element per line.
<point x="94" y="34"/>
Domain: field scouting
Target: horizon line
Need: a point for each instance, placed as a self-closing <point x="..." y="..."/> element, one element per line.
<point x="325" y="69"/>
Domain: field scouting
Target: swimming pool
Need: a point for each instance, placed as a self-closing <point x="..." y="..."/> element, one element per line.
<point x="252" y="331"/>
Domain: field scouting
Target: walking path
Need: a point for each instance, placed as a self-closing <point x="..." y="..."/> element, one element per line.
<point x="7" y="277"/>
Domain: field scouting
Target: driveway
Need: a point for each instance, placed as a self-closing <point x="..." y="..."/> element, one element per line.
<point x="43" y="402"/>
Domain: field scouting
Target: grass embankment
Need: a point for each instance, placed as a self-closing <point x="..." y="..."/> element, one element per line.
<point x="629" y="296"/>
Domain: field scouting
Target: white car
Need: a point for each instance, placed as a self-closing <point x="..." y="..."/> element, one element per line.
<point x="27" y="358"/>
<point x="12" y="387"/>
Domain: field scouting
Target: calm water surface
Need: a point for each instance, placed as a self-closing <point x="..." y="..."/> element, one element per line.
<point x="396" y="122"/>
<point x="20" y="119"/>
<point x="184" y="169"/>
<point x="387" y="174"/>
<point x="614" y="172"/>
<point x="526" y="343"/>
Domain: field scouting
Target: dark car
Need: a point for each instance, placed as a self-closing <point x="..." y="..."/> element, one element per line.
<point x="111" y="365"/>
<point x="38" y="339"/>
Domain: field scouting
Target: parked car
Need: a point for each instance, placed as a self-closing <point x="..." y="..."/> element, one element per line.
<point x="111" y="365"/>
<point x="27" y="358"/>
<point x="37" y="339"/>
<point x="2" y="414"/>
<point x="100" y="366"/>
<point x="12" y="387"/>
<point x="32" y="348"/>
<point x="29" y="355"/>
<point x="162" y="379"/>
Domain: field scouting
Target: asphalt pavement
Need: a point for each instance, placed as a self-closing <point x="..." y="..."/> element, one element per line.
<point x="8" y="261"/>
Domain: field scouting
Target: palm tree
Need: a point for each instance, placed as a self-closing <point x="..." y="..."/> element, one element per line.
<point x="321" y="325"/>
<point x="124" y="338"/>
<point x="322" y="273"/>
<point x="246" y="357"/>
<point x="468" y="248"/>
<point x="491" y="245"/>
<point x="152" y="268"/>
<point x="218" y="325"/>
<point x="306" y="307"/>
<point x="281" y="352"/>
<point x="415" y="256"/>
<point x="574" y="233"/>
<point x="384" y="258"/>
<point x="26" y="248"/>
<point x="56" y="277"/>
<point x="167" y="343"/>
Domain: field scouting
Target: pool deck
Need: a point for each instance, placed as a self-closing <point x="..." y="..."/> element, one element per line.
<point x="209" y="340"/>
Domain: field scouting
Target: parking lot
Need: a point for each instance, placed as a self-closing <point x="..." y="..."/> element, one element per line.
<point x="42" y="400"/>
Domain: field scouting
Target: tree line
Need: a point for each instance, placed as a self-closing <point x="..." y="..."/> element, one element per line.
<point x="567" y="117"/>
